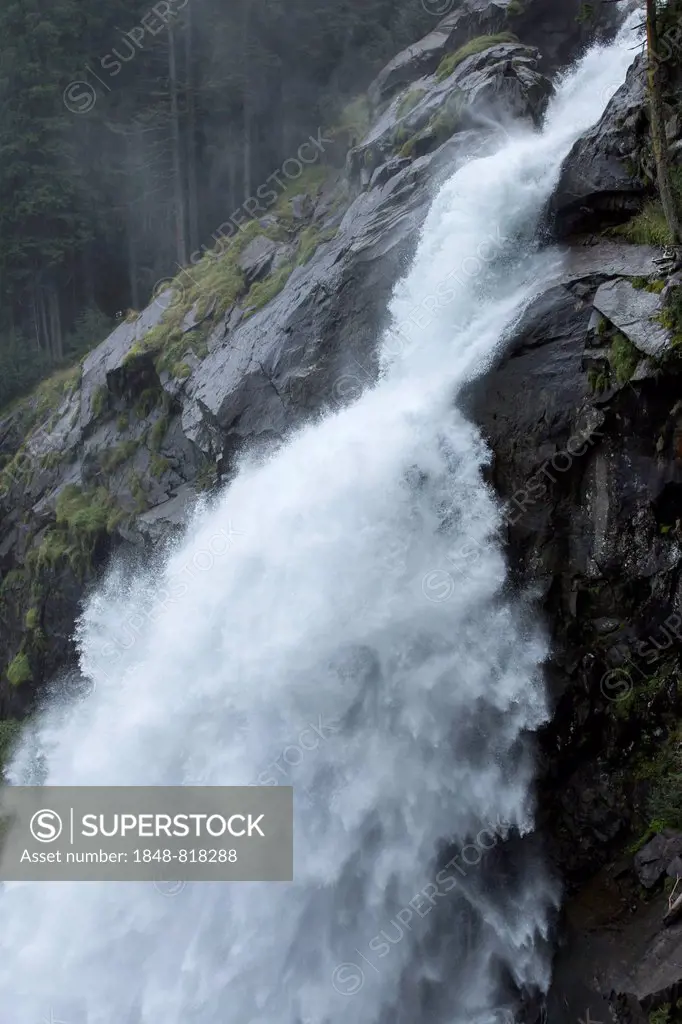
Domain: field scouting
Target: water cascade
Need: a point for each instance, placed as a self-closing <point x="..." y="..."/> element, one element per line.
<point x="338" y="621"/>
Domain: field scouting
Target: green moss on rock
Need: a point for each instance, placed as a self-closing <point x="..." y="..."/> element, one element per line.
<point x="623" y="357"/>
<point x="599" y="380"/>
<point x="410" y="100"/>
<point x="311" y="239"/>
<point x="159" y="465"/>
<point x="85" y="514"/>
<point x="15" y="579"/>
<point x="446" y="122"/>
<point x="158" y="432"/>
<point x="647" y="285"/>
<point x="452" y="61"/>
<point x="52" y="459"/>
<point x="32" y="619"/>
<point x="9" y="734"/>
<point x="45" y="399"/>
<point x="112" y="458"/>
<point x="649" y="227"/>
<point x="100" y="401"/>
<point x="407" y="151"/>
<point x="138" y="491"/>
<point x="82" y="518"/>
<point x="19" y="670"/>
<point x="264" y="291"/>
<point x="664" y="1014"/>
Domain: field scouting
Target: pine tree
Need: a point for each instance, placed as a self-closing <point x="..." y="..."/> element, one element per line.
<point x="657" y="120"/>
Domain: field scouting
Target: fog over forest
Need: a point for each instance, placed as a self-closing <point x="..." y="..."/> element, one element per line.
<point x="130" y="132"/>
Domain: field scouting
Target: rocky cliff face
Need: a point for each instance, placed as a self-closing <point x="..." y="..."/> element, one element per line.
<point x="263" y="332"/>
<point x="282" y="323"/>
<point x="591" y="468"/>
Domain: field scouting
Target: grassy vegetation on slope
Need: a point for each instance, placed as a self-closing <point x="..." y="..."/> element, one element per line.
<point x="649" y="227"/>
<point x="452" y="60"/>
<point x="213" y="285"/>
<point x="9" y="731"/>
<point x="217" y="281"/>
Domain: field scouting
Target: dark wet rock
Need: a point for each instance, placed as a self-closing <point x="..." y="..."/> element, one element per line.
<point x="617" y="960"/>
<point x="670" y="291"/>
<point x="606" y="625"/>
<point x="674" y="868"/>
<point x="388" y="170"/>
<point x="653" y="860"/>
<point x="473" y="18"/>
<point x="654" y="973"/>
<point x="592" y="480"/>
<point x="609" y="259"/>
<point x="320" y="328"/>
<point x="501" y="82"/>
<point x="558" y="31"/>
<point x="604" y="177"/>
<point x="561" y="30"/>
<point x="588" y="475"/>
<point x="109" y="356"/>
<point x="504" y="81"/>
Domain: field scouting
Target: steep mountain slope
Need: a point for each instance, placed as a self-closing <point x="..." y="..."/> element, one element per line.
<point x="283" y="323"/>
<point x="278" y="321"/>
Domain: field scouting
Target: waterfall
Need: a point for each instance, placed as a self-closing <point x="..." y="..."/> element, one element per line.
<point x="338" y="621"/>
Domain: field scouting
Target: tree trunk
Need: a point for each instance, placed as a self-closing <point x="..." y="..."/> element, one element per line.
<point x="246" y="103"/>
<point x="247" y="146"/>
<point x="43" y="329"/>
<point x="55" y="323"/>
<point x="87" y="272"/>
<point x="192" y="188"/>
<point x="232" y="169"/>
<point x="658" y="136"/>
<point x="35" y="304"/>
<point x="133" y="283"/>
<point x="181" y="250"/>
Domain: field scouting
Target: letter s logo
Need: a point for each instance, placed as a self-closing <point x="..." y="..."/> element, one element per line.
<point x="46" y="826"/>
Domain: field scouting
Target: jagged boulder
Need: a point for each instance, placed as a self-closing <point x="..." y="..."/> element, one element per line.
<point x="503" y="81"/>
<point x="302" y="207"/>
<point x="471" y="18"/>
<point x="618" y="963"/>
<point x="257" y="258"/>
<point x="558" y="30"/>
<point x="653" y="860"/>
<point x="500" y="82"/>
<point x="273" y="369"/>
<point x="605" y="176"/>
<point x="562" y="29"/>
<point x="634" y="312"/>
<point x="110" y="355"/>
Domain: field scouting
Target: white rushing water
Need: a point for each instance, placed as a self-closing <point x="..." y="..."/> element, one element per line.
<point x="349" y="590"/>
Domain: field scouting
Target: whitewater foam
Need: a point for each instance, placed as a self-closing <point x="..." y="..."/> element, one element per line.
<point x="341" y="600"/>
